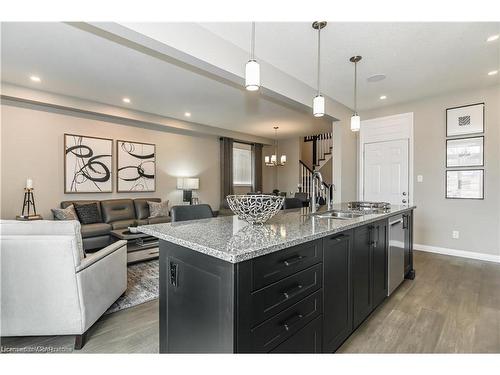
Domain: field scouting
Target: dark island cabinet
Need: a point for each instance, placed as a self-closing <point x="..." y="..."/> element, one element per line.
<point x="337" y="300"/>
<point x="361" y="274"/>
<point x="307" y="298"/>
<point x="369" y="269"/>
<point x="408" y="250"/>
<point x="379" y="258"/>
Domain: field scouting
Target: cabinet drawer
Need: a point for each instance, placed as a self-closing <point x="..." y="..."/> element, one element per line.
<point x="276" y="297"/>
<point x="273" y="331"/>
<point x="273" y="267"/>
<point x="307" y="340"/>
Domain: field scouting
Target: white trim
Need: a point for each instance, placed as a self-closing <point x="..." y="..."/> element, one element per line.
<point x="405" y="132"/>
<point x="458" y="253"/>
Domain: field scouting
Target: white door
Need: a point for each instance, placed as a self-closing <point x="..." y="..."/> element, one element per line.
<point x="386" y="172"/>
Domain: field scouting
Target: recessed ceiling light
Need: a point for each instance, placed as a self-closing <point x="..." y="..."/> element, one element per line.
<point x="493" y="72"/>
<point x="35" y="79"/>
<point x="383" y="97"/>
<point x="492" y="38"/>
<point x="126" y="100"/>
<point x="376" y="78"/>
<point x="187" y="114"/>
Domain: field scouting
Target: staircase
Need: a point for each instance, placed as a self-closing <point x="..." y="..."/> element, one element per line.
<point x="322" y="153"/>
<point x="322" y="148"/>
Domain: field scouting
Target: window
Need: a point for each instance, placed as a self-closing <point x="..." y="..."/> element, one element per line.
<point x="242" y="164"/>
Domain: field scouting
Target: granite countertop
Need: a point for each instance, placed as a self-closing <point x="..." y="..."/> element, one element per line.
<point x="234" y="240"/>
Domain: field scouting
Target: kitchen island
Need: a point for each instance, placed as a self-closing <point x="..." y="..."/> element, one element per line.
<point x="299" y="283"/>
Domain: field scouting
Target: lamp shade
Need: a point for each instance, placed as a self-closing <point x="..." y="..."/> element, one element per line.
<point x="252" y="75"/>
<point x="318" y="106"/>
<point x="355" y="122"/>
<point x="184" y="183"/>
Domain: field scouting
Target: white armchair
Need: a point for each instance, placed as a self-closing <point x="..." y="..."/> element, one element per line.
<point x="47" y="287"/>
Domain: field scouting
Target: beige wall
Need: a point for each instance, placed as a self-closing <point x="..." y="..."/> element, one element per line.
<point x="436" y="217"/>
<point x="32" y="145"/>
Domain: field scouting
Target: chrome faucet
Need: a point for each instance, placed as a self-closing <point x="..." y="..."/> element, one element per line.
<point x="316" y="177"/>
<point x="329" y="202"/>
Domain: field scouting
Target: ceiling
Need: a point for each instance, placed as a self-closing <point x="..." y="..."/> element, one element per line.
<point x="418" y="59"/>
<point x="76" y="63"/>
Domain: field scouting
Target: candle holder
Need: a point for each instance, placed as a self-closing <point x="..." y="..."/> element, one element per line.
<point x="28" y="203"/>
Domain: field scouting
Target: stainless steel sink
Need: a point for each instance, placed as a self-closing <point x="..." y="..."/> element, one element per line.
<point x="341" y="215"/>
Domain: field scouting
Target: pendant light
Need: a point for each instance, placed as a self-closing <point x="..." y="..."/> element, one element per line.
<point x="319" y="100"/>
<point x="355" y="119"/>
<point x="272" y="161"/>
<point x="252" y="69"/>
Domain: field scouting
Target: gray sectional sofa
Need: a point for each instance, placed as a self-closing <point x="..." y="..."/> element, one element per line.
<point x="115" y="214"/>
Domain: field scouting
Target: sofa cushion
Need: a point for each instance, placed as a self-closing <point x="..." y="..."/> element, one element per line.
<point x="94" y="230"/>
<point x="65" y="204"/>
<point x="123" y="224"/>
<point x="67" y="213"/>
<point x="142" y="207"/>
<point x="158" y="209"/>
<point x="117" y="209"/>
<point x="142" y="222"/>
<point x="88" y="213"/>
<point x="159" y="220"/>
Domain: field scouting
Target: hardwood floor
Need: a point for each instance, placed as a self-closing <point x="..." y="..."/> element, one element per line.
<point x="453" y="306"/>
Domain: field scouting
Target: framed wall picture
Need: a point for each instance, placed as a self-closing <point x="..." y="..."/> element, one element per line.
<point x="465" y="184"/>
<point x="87" y="164"/>
<point x="465" y="152"/>
<point x="136" y="166"/>
<point x="463" y="120"/>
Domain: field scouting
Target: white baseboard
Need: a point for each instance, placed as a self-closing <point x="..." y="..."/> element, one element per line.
<point x="457" y="253"/>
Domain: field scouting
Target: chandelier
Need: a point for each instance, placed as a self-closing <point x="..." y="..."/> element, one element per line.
<point x="272" y="161"/>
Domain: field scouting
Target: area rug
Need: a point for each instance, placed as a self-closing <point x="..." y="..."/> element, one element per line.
<point x="142" y="286"/>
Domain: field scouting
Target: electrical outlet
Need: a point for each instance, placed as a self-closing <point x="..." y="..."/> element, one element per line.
<point x="420" y="178"/>
<point x="455" y="234"/>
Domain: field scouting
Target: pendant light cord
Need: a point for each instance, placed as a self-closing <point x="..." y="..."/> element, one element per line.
<point x="252" y="48"/>
<point x="319" y="56"/>
<point x="356" y="88"/>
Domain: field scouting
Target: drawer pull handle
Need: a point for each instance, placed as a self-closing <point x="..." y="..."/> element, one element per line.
<point x="339" y="237"/>
<point x="293" y="320"/>
<point x="292" y="292"/>
<point x="291" y="261"/>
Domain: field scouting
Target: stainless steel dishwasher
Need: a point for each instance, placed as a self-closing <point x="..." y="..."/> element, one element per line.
<point x="396" y="258"/>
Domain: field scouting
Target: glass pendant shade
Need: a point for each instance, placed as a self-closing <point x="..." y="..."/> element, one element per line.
<point x="273" y="159"/>
<point x="283" y="159"/>
<point x="355" y="122"/>
<point x="252" y="75"/>
<point x="318" y="106"/>
<point x="266" y="159"/>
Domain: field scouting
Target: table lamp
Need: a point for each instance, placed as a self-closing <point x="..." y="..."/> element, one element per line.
<point x="187" y="185"/>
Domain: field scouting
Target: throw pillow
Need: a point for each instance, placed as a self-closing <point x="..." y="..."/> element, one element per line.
<point x="158" y="209"/>
<point x="88" y="213"/>
<point x="67" y="213"/>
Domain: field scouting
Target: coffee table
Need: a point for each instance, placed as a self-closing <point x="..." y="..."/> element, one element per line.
<point x="140" y="246"/>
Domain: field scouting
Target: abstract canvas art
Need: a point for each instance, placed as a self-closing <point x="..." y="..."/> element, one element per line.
<point x="87" y="164"/>
<point x="136" y="166"/>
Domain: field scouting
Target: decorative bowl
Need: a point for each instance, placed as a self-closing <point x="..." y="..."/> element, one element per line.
<point x="133" y="230"/>
<point x="255" y="209"/>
